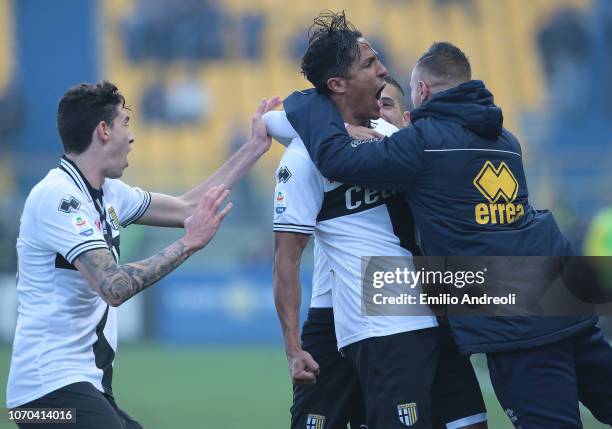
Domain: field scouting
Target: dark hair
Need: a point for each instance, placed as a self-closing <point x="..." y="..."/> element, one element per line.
<point x="393" y="82"/>
<point x="80" y="111"/>
<point x="332" y="48"/>
<point x="447" y="63"/>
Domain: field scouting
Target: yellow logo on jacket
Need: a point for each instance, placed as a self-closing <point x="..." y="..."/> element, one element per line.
<point x="499" y="186"/>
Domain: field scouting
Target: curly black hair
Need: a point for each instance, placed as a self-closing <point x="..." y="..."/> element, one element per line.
<point x="332" y="48"/>
<point x="82" y="108"/>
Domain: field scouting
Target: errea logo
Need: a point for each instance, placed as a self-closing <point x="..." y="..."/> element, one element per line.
<point x="495" y="183"/>
<point x="499" y="186"/>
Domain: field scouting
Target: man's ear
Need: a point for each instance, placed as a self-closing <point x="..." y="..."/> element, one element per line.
<point x="406" y="118"/>
<point x="102" y="131"/>
<point x="424" y="91"/>
<point x="337" y="85"/>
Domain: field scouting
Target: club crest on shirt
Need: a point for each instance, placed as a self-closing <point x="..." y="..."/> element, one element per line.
<point x="113" y="218"/>
<point x="315" y="421"/>
<point x="82" y="225"/>
<point x="408" y="413"/>
<point x="280" y="203"/>
<point x="284" y="174"/>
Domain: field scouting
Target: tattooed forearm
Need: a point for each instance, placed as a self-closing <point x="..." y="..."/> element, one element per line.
<point x="118" y="283"/>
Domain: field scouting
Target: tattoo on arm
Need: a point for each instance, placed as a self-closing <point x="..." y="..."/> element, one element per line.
<point x="118" y="283"/>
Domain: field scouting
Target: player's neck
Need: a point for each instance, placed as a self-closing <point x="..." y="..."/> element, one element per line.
<point x="89" y="168"/>
<point x="348" y="113"/>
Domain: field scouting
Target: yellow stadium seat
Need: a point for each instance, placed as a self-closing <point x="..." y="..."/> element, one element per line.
<point x="499" y="38"/>
<point x="7" y="63"/>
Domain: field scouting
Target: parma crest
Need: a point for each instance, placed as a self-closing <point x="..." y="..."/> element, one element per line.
<point x="408" y="413"/>
<point x="314" y="421"/>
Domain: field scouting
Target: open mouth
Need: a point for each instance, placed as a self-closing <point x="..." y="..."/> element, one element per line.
<point x="380" y="90"/>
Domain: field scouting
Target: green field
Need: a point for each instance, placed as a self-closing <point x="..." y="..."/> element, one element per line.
<point x="229" y="388"/>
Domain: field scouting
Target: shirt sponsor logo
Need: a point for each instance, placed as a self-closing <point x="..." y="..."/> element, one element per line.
<point x="355" y="196"/>
<point x="500" y="188"/>
<point x="280" y="205"/>
<point x="408" y="414"/>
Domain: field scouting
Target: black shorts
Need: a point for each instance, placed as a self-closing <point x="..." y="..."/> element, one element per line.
<point x="94" y="410"/>
<point x="417" y="379"/>
<point x="541" y="387"/>
<point x="456" y="396"/>
<point x="335" y="400"/>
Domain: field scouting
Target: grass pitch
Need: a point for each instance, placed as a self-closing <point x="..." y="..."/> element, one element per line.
<point x="214" y="387"/>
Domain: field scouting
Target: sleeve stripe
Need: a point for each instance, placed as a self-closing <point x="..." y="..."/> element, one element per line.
<point x="72" y="254"/>
<point x="293" y="232"/>
<point x="85" y="243"/>
<point x="142" y="209"/>
<point x="87" y="249"/>
<point x="289" y="229"/>
<point x="290" y="226"/>
<point x="293" y="224"/>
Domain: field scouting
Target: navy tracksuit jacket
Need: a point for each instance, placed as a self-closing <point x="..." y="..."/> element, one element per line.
<point x="462" y="175"/>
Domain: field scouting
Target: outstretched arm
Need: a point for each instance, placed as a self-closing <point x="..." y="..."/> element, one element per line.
<point x="288" y="249"/>
<point x="390" y="163"/>
<point x="171" y="211"/>
<point x="279" y="127"/>
<point x="118" y="283"/>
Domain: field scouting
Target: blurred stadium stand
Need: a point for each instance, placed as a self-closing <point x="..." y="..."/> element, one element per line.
<point x="501" y="38"/>
<point x="6" y="43"/>
<point x="194" y="73"/>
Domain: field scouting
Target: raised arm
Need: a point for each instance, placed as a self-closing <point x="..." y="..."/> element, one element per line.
<point x="279" y="127"/>
<point x="171" y="211"/>
<point x="118" y="283"/>
<point x="288" y="250"/>
<point x="390" y="163"/>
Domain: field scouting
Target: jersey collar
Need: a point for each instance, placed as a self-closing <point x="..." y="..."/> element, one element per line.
<point x="70" y="168"/>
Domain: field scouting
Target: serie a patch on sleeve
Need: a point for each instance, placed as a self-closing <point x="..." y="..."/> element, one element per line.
<point x="82" y="225"/>
<point x="280" y="202"/>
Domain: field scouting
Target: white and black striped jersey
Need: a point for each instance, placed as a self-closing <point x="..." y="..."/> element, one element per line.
<point x="65" y="332"/>
<point x="348" y="223"/>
